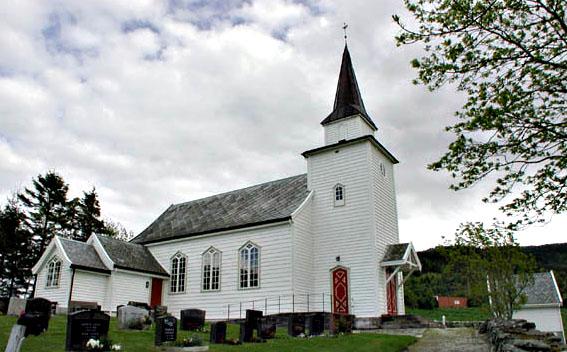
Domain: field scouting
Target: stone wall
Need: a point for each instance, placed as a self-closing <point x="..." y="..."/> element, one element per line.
<point x="519" y="335"/>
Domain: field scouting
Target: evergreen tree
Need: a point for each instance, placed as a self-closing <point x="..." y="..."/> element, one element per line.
<point x="15" y="259"/>
<point x="47" y="210"/>
<point x="87" y="216"/>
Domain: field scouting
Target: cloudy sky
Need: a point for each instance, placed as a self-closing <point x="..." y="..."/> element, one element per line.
<point x="159" y="102"/>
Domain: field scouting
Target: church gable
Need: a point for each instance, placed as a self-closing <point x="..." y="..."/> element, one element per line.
<point x="261" y="204"/>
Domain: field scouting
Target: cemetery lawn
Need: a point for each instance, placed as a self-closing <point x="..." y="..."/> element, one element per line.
<point x="140" y="341"/>
<point x="451" y="314"/>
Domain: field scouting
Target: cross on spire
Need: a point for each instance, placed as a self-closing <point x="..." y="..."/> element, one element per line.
<point x="345" y="26"/>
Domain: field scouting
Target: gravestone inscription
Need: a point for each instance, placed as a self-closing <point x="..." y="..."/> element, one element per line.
<point x="83" y="326"/>
<point x="192" y="319"/>
<point x="166" y="329"/>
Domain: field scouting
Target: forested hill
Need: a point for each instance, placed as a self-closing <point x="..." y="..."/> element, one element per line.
<point x="548" y="257"/>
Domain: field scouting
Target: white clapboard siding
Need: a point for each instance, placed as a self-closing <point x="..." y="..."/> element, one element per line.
<point x="59" y="294"/>
<point x="90" y="287"/>
<point x="546" y="318"/>
<point x="302" y="259"/>
<point x="129" y="286"/>
<point x="275" y="270"/>
<point x="385" y="218"/>
<point x="350" y="128"/>
<point x="345" y="231"/>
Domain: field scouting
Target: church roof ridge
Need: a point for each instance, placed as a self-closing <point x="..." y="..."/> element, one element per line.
<point x="348" y="100"/>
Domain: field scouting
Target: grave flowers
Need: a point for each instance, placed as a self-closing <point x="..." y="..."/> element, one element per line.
<point x="102" y="345"/>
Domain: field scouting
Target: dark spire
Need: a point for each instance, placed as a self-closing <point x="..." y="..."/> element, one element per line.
<point x="348" y="101"/>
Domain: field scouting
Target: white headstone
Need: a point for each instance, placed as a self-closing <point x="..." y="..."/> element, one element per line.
<point x="16" y="306"/>
<point x="130" y="317"/>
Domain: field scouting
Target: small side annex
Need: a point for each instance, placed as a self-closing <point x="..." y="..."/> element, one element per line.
<point x="103" y="270"/>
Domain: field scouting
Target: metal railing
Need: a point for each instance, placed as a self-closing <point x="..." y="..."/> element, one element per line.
<point x="294" y="303"/>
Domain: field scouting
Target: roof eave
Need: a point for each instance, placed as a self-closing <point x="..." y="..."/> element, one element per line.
<point x="237" y="227"/>
<point x="88" y="268"/>
<point x="343" y="143"/>
<point x="151" y="272"/>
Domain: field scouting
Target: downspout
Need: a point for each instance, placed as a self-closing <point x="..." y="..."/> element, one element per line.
<point x="71" y="290"/>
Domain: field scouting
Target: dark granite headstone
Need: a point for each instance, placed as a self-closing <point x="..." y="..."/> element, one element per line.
<point x="253" y="318"/>
<point x="246" y="332"/>
<point x="36" y="316"/>
<point x="192" y="319"/>
<point x="268" y="327"/>
<point x="218" y="332"/>
<point x="83" y="326"/>
<point x="296" y="325"/>
<point x="317" y="324"/>
<point x="166" y="329"/>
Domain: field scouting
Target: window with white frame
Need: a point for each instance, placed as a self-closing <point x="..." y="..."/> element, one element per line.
<point x="339" y="195"/>
<point x="211" y="270"/>
<point x="53" y="272"/>
<point x="178" y="273"/>
<point x="249" y="266"/>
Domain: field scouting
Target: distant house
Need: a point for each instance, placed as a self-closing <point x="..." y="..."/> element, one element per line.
<point x="543" y="306"/>
<point x="451" y="302"/>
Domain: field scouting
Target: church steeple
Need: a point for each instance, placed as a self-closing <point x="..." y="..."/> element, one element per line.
<point x="348" y="101"/>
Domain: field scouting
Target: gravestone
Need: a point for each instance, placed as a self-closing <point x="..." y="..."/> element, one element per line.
<point x="218" y="332"/>
<point x="83" y="326"/>
<point x="76" y="306"/>
<point x="36" y="316"/>
<point x="143" y="305"/>
<point x="192" y="319"/>
<point x="268" y="327"/>
<point x="16" y="306"/>
<point x="159" y="311"/>
<point x="4" y="303"/>
<point x="317" y="324"/>
<point x="166" y="329"/>
<point x="296" y="325"/>
<point x="130" y="317"/>
<point x="246" y="332"/>
<point x="342" y="323"/>
<point x="253" y="318"/>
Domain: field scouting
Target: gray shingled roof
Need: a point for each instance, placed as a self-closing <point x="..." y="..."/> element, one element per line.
<point x="395" y="252"/>
<point x="82" y="254"/>
<point x="543" y="290"/>
<point x="131" y="256"/>
<point x="264" y="203"/>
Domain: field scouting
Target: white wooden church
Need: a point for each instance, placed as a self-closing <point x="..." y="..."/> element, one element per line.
<point x="324" y="240"/>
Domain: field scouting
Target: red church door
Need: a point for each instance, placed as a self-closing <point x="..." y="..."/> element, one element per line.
<point x="155" y="299"/>
<point x="339" y="276"/>
<point x="391" y="294"/>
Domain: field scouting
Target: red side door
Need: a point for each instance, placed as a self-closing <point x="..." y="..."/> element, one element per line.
<point x="391" y="295"/>
<point x="155" y="299"/>
<point x="340" y="290"/>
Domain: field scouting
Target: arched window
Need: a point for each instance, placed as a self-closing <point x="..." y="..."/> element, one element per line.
<point x="249" y="264"/>
<point x="178" y="273"/>
<point x="53" y="272"/>
<point x="211" y="270"/>
<point x="339" y="195"/>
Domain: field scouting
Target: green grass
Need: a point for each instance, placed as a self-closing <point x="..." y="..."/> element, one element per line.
<point x="455" y="314"/>
<point x="140" y="341"/>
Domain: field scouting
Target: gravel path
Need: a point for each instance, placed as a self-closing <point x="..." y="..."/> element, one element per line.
<point x="451" y="340"/>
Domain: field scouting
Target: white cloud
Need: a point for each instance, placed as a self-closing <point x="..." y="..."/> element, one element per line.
<point x="159" y="102"/>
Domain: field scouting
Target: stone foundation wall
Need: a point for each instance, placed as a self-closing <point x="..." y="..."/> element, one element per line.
<point x="519" y="335"/>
